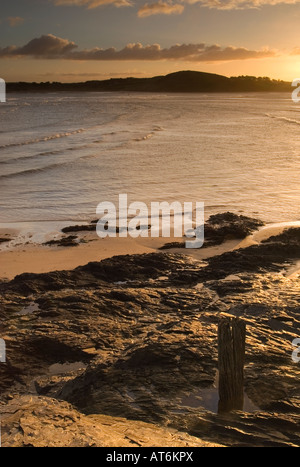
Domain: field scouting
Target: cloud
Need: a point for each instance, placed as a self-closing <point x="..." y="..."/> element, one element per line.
<point x="160" y="8"/>
<point x="167" y="7"/>
<point x="47" y="46"/>
<point x="295" y="51"/>
<point x="239" y="4"/>
<point x="90" y="4"/>
<point x="15" y="21"/>
<point x="215" y="53"/>
<point x="181" y="52"/>
<point x="52" y="47"/>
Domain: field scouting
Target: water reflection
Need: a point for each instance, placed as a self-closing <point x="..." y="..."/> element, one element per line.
<point x="208" y="399"/>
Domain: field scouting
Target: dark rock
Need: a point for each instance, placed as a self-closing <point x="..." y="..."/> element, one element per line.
<point x="171" y="245"/>
<point x="79" y="228"/>
<point x="221" y="227"/>
<point x="271" y="255"/>
<point x="288" y="236"/>
<point x="71" y="240"/>
<point x="51" y="350"/>
<point x="4" y="240"/>
<point x="92" y="227"/>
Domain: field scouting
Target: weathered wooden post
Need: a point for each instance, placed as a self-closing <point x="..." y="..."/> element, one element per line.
<point x="231" y="358"/>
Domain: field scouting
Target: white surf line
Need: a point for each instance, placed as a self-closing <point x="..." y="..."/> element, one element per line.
<point x="34" y="232"/>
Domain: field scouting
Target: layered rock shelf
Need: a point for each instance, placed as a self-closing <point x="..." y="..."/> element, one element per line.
<point x="131" y="342"/>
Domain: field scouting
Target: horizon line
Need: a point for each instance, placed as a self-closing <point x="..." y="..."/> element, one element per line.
<point x="278" y="80"/>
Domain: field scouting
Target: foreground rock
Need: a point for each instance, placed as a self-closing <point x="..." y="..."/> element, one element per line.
<point x="136" y="337"/>
<point x="222" y="227"/>
<point x="40" y="422"/>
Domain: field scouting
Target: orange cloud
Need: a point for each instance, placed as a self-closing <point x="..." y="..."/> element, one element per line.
<point x="90" y="4"/>
<point x="167" y="7"/>
<point x="160" y="8"/>
<point x="295" y="51"/>
<point x="239" y="4"/>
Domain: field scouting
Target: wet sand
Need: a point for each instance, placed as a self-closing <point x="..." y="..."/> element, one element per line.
<point x="40" y="259"/>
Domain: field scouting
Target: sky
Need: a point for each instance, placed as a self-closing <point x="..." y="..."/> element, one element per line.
<point x="79" y="40"/>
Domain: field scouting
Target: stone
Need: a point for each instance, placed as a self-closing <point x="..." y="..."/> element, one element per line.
<point x="137" y="335"/>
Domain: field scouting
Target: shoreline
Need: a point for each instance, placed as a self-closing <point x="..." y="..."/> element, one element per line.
<point x="43" y="259"/>
<point x="137" y="337"/>
<point x="35" y="257"/>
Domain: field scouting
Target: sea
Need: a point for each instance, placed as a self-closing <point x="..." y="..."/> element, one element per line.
<point x="61" y="154"/>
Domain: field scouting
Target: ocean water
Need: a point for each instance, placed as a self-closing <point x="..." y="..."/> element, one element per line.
<point x="62" y="154"/>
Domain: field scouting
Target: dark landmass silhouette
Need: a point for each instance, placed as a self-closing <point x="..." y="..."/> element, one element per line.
<point x="182" y="81"/>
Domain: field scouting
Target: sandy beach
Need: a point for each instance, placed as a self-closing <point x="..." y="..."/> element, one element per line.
<point x="37" y="258"/>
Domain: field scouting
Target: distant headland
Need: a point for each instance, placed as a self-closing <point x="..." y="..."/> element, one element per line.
<point x="182" y="81"/>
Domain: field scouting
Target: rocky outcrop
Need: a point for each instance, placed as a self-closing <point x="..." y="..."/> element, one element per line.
<point x="222" y="227"/>
<point x="136" y="337"/>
